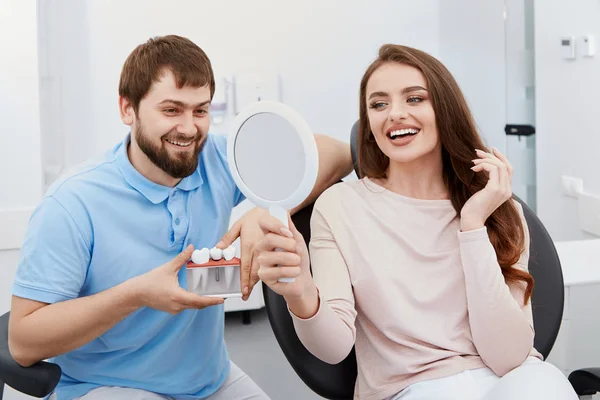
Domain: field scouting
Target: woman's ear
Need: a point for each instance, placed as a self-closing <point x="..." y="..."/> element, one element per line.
<point x="126" y="110"/>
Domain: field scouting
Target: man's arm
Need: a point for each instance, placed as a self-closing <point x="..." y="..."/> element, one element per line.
<point x="38" y="330"/>
<point x="335" y="163"/>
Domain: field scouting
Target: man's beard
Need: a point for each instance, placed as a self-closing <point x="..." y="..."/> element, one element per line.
<point x="179" y="166"/>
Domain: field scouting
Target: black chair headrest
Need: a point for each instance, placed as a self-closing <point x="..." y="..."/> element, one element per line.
<point x="354" y="146"/>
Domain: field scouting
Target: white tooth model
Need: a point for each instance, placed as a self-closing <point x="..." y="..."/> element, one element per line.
<point x="229" y="272"/>
<point x="216" y="253"/>
<point x="229" y="253"/>
<point x="201" y="256"/>
<point x="215" y="272"/>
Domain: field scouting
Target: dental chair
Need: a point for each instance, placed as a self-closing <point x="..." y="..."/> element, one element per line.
<point x="337" y="381"/>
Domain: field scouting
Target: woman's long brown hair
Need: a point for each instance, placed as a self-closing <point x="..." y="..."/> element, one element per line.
<point x="459" y="138"/>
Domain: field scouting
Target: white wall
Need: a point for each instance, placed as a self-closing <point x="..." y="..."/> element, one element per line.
<point x="567" y="108"/>
<point x="20" y="177"/>
<point x="19" y="113"/>
<point x="20" y="165"/>
<point x="64" y="86"/>
<point x="319" y="48"/>
<point x="472" y="48"/>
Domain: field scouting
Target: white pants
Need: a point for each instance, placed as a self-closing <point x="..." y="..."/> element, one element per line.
<point x="533" y="380"/>
<point x="237" y="386"/>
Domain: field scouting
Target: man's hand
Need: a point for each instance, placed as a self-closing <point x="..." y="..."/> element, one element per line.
<point x="248" y="230"/>
<point x="159" y="289"/>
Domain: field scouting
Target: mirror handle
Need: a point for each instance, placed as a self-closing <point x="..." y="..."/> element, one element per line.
<point x="281" y="214"/>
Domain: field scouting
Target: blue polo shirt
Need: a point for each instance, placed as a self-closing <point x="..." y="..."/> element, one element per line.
<point x="105" y="224"/>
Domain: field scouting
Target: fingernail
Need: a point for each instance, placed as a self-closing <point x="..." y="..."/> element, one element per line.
<point x="220" y="244"/>
<point x="246" y="290"/>
<point x="287" y="232"/>
<point x="478" y="151"/>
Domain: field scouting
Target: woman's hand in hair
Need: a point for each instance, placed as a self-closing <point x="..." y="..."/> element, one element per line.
<point x="498" y="189"/>
<point x="282" y="253"/>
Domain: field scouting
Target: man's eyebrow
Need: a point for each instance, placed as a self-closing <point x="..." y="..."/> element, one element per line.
<point x="182" y="104"/>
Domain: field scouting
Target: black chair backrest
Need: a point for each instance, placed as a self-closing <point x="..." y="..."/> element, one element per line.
<point x="337" y="381"/>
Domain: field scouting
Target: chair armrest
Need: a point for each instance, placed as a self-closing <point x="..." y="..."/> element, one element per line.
<point x="39" y="380"/>
<point x="585" y="381"/>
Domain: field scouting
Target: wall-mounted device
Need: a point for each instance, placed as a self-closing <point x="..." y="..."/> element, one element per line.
<point x="588" y="46"/>
<point x="567" y="44"/>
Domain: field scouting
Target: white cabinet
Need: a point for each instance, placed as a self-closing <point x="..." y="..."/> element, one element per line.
<point x="578" y="342"/>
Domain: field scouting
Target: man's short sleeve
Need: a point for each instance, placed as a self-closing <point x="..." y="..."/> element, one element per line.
<point x="221" y="145"/>
<point x="55" y="255"/>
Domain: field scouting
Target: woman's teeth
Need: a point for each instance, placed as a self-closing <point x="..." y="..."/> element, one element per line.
<point x="404" y="132"/>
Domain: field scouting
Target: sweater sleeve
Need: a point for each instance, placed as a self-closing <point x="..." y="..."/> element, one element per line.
<point x="330" y="334"/>
<point x="501" y="324"/>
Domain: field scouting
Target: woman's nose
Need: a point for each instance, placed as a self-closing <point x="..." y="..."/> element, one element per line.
<point x="397" y="113"/>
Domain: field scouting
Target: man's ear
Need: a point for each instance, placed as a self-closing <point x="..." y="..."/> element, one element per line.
<point x="126" y="110"/>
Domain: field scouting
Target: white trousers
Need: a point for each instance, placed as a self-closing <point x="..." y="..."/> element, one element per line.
<point x="238" y="386"/>
<point x="533" y="380"/>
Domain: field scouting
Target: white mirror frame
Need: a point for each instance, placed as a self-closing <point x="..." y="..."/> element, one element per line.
<point x="310" y="150"/>
<point x="278" y="209"/>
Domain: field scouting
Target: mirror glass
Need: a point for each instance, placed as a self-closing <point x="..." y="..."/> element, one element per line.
<point x="269" y="156"/>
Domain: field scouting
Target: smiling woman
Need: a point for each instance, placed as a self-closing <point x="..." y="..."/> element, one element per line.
<point x="421" y="265"/>
<point x="393" y="138"/>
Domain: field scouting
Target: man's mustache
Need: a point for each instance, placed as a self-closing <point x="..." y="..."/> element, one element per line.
<point x="183" y="138"/>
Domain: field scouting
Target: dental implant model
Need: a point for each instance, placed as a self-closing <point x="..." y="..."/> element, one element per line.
<point x="215" y="272"/>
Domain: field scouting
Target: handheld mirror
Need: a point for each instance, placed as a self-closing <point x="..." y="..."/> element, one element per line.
<point x="273" y="157"/>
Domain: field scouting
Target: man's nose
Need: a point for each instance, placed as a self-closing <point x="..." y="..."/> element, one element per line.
<point x="186" y="125"/>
